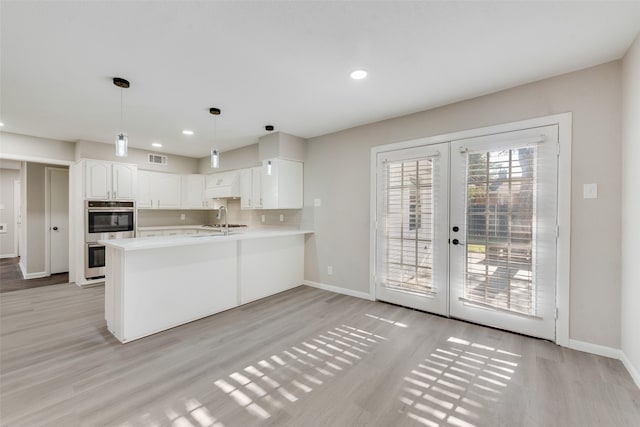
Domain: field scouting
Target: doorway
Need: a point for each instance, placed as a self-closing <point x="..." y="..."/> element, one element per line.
<point x="467" y="228"/>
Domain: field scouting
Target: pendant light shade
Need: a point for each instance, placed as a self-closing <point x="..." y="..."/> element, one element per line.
<point x="215" y="159"/>
<point x="121" y="145"/>
<point x="122" y="141"/>
<point x="215" y="156"/>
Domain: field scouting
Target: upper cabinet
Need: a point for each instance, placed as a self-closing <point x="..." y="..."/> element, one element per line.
<point x="282" y="184"/>
<point x="109" y="181"/>
<point x="251" y="188"/>
<point x="193" y="193"/>
<point x="159" y="190"/>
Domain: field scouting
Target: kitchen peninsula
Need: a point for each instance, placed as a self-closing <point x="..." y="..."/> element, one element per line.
<point x="156" y="283"/>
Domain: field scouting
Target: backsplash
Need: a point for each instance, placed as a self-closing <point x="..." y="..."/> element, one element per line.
<point x="252" y="218"/>
<point x="161" y="218"/>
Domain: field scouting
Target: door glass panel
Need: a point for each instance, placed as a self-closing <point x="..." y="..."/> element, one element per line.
<point x="409" y="225"/>
<point x="500" y="217"/>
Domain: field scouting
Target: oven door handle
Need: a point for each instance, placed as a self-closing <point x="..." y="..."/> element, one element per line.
<point x="93" y="210"/>
<point x="95" y="245"/>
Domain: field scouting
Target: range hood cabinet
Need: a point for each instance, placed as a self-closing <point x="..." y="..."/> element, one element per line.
<point x="223" y="185"/>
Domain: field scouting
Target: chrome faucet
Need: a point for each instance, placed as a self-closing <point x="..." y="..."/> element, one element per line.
<point x="226" y="219"/>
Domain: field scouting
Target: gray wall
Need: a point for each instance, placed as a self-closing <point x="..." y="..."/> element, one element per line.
<point x="337" y="172"/>
<point x="100" y="151"/>
<point x="240" y="158"/>
<point x="32" y="148"/>
<point x="7" y="212"/>
<point x="631" y="207"/>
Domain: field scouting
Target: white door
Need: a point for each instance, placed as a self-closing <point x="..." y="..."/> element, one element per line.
<point x="17" y="200"/>
<point x="468" y="229"/>
<point x="412" y="224"/>
<point x="504" y="206"/>
<point x="58" y="220"/>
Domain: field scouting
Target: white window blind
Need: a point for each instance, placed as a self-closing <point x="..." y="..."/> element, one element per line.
<point x="501" y="224"/>
<point x="409" y="224"/>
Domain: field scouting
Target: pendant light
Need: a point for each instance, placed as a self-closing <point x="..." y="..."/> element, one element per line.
<point x="122" y="141"/>
<point x="215" y="156"/>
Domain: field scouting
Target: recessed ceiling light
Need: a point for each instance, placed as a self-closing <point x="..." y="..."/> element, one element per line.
<point x="358" y="74"/>
<point x="187" y="132"/>
<point x="1" y="124"/>
<point x="156" y="144"/>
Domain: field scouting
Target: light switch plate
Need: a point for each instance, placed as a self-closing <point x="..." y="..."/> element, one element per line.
<point x="317" y="203"/>
<point x="590" y="191"/>
<point x="281" y="218"/>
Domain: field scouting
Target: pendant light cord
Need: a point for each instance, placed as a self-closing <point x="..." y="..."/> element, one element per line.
<point x="121" y="121"/>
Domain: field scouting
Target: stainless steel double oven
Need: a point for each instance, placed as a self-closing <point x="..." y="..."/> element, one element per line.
<point x="105" y="220"/>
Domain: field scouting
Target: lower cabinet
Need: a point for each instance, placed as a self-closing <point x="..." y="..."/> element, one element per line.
<point x="158" y="287"/>
<point x="270" y="266"/>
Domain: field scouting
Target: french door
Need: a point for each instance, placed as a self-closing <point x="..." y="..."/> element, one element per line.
<point x="412" y="219"/>
<point x="467" y="229"/>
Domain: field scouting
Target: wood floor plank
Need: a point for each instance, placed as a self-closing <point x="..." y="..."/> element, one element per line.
<point x="305" y="357"/>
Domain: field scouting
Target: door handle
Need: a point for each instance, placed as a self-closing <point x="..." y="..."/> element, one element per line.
<point x="456" y="242"/>
<point x="55" y="228"/>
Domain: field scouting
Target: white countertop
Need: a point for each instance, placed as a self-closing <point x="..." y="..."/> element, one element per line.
<point x="142" y="243"/>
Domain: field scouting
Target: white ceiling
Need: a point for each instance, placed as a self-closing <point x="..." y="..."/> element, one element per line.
<point x="281" y="63"/>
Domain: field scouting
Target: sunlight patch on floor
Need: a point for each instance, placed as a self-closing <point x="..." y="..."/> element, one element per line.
<point x="270" y="384"/>
<point x="456" y="382"/>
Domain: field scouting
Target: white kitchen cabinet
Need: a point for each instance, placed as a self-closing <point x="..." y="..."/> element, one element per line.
<point x="251" y="188"/>
<point x="193" y="193"/>
<point x="282" y="188"/>
<point x="109" y="181"/>
<point x="158" y="190"/>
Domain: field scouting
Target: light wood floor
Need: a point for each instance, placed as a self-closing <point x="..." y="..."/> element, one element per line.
<point x="305" y="357"/>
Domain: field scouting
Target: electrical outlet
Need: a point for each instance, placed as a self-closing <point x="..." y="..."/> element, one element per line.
<point x="183" y="217"/>
<point x="262" y="218"/>
<point x="281" y="217"/>
<point x="330" y="270"/>
<point x="590" y="191"/>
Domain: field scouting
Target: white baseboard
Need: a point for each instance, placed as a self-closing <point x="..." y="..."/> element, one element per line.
<point x="35" y="275"/>
<point x="632" y="369"/>
<point x="600" y="350"/>
<point x="26" y="275"/>
<point x="338" y="290"/>
<point x="23" y="270"/>
<point x="8" y="256"/>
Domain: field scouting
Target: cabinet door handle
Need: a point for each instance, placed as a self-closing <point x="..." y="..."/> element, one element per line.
<point x="115" y="195"/>
<point x="108" y="194"/>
